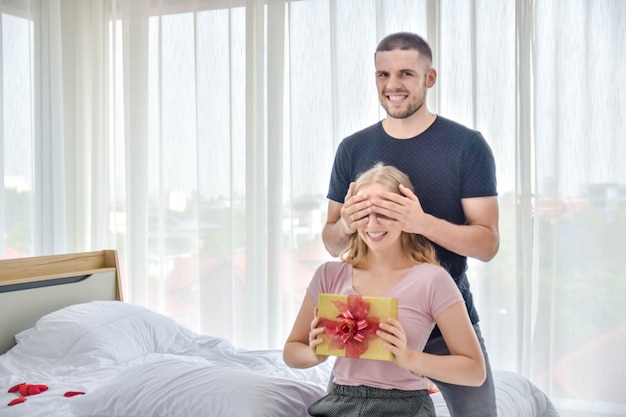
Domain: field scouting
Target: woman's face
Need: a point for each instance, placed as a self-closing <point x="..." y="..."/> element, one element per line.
<point x="379" y="233"/>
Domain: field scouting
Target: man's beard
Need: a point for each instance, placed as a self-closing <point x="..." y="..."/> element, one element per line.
<point x="410" y="110"/>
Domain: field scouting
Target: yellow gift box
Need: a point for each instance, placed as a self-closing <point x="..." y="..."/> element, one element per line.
<point x="350" y="324"/>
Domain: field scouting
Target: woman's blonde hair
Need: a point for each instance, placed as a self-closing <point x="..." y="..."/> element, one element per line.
<point x="415" y="246"/>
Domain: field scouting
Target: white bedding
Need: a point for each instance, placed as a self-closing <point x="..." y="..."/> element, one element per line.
<point x="132" y="362"/>
<point x="516" y="396"/>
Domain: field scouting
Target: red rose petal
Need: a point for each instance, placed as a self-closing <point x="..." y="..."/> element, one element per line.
<point x="17" y="401"/>
<point x="23" y="390"/>
<point x="38" y="388"/>
<point x="16" y="387"/>
<point x="73" y="393"/>
<point x="28" y="389"/>
<point x="33" y="390"/>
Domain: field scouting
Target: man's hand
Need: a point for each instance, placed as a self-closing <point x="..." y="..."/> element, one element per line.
<point x="343" y="220"/>
<point x="355" y="210"/>
<point x="405" y="210"/>
<point x="477" y="238"/>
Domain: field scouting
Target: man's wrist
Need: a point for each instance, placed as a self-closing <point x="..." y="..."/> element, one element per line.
<point x="344" y="229"/>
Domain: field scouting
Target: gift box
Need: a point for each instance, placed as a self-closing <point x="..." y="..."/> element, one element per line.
<point x="350" y="324"/>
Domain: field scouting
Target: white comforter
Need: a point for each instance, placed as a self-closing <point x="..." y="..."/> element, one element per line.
<point x="131" y="362"/>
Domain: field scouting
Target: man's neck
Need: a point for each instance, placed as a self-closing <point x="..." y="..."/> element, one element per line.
<point x="409" y="127"/>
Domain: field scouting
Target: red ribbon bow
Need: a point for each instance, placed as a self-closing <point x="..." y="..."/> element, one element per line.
<point x="354" y="327"/>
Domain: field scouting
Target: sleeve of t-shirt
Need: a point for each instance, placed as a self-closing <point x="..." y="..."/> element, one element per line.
<point x="479" y="172"/>
<point x="340" y="175"/>
<point x="444" y="293"/>
<point x="330" y="277"/>
<point x="315" y="286"/>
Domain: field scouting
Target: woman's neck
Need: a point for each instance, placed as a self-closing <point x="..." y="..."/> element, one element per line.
<point x="379" y="272"/>
<point x="385" y="261"/>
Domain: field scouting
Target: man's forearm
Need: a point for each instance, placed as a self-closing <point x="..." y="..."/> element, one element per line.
<point x="475" y="241"/>
<point x="335" y="239"/>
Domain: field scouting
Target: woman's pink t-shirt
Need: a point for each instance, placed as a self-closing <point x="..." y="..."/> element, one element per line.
<point x="423" y="293"/>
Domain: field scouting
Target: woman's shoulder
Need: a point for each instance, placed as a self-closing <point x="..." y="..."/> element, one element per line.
<point x="332" y="273"/>
<point x="334" y="266"/>
<point x="427" y="275"/>
<point x="430" y="269"/>
<point x="331" y="277"/>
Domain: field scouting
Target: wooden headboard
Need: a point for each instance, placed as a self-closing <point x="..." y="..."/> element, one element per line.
<point x="33" y="287"/>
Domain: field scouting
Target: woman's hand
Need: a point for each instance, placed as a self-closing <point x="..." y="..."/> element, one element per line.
<point x="393" y="338"/>
<point x="314" y="339"/>
<point x="299" y="350"/>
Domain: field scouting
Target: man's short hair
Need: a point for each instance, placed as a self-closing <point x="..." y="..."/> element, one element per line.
<point x="405" y="41"/>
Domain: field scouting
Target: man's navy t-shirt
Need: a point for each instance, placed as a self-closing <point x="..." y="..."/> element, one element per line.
<point x="446" y="163"/>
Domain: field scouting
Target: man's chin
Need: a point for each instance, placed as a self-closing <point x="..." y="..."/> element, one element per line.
<point x="401" y="114"/>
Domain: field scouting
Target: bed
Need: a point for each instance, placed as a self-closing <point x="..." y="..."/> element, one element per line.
<point x="72" y="347"/>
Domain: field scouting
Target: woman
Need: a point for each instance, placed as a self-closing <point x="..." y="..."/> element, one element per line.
<point x="383" y="261"/>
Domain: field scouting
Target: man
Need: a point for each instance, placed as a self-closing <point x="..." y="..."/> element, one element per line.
<point x="453" y="172"/>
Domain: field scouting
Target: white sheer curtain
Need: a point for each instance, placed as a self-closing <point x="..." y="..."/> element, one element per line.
<point x="580" y="195"/>
<point x="196" y="138"/>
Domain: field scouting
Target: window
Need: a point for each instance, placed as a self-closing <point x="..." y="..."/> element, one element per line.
<point x="16" y="136"/>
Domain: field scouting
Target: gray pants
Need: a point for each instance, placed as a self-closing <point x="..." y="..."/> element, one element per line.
<point x="362" y="401"/>
<point x="463" y="401"/>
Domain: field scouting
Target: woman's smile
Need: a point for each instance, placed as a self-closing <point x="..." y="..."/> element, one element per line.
<point x="376" y="236"/>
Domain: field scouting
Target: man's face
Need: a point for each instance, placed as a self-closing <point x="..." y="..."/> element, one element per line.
<point x="402" y="78"/>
